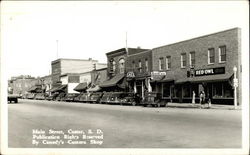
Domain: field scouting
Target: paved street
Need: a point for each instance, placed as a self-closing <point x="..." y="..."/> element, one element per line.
<point x="126" y="126"/>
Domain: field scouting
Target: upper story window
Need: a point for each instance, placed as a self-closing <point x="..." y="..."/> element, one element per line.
<point x="139" y="66"/>
<point x="183" y="60"/>
<point x="211" y="55"/>
<point x="112" y="65"/>
<point x="133" y="65"/>
<point x="168" y="62"/>
<point x="146" y="65"/>
<point x="192" y="59"/>
<point x="161" y="64"/>
<point x="222" y="53"/>
<point x="122" y="65"/>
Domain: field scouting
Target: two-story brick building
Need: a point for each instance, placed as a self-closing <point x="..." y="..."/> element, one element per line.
<point x="138" y="71"/>
<point x="116" y="69"/>
<point x="203" y="63"/>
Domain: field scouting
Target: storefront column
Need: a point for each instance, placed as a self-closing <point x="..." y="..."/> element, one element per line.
<point x="149" y="85"/>
<point x="142" y="90"/>
<point x="135" y="90"/>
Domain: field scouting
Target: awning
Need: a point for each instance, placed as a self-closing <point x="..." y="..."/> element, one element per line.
<point x="164" y="79"/>
<point x="81" y="87"/>
<point x="58" y="88"/>
<point x="209" y="78"/>
<point x="112" y="82"/>
<point x="36" y="89"/>
<point x="94" y="89"/>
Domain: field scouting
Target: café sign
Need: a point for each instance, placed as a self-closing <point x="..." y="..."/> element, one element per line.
<point x="130" y="74"/>
<point x="210" y="71"/>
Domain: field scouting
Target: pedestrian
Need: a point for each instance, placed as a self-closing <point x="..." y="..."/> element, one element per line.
<point x="202" y="99"/>
<point x="193" y="99"/>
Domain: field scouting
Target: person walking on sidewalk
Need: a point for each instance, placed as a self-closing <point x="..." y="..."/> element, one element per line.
<point x="202" y="99"/>
<point x="193" y="99"/>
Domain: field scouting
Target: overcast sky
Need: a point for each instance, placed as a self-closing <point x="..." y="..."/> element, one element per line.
<point x="91" y="29"/>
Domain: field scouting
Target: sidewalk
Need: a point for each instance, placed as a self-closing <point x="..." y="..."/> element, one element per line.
<point x="197" y="106"/>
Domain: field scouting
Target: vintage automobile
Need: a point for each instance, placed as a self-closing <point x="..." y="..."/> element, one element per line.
<point x="116" y="98"/>
<point x="130" y="99"/>
<point x="60" y="96"/>
<point x="105" y="97"/>
<point x="77" y="98"/>
<point x="31" y="96"/>
<point x="40" y="96"/>
<point x="153" y="99"/>
<point x="52" y="97"/>
<point x="70" y="97"/>
<point x="12" y="97"/>
<point x="84" y="97"/>
<point x="95" y="97"/>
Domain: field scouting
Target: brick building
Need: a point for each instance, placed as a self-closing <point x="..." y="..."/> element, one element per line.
<point x="203" y="63"/>
<point x="138" y="71"/>
<point x="116" y="69"/>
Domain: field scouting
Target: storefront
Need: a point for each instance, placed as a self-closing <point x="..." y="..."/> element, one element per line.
<point x="115" y="84"/>
<point x="216" y="84"/>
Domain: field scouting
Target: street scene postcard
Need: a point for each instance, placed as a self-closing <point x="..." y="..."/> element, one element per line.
<point x="123" y="77"/>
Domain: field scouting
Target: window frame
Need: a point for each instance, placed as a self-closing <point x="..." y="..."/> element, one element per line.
<point x="161" y="63"/>
<point x="168" y="62"/>
<point x="219" y="49"/>
<point x="146" y="65"/>
<point x="139" y="66"/>
<point x="209" y="56"/>
<point x="190" y="59"/>
<point x="183" y="54"/>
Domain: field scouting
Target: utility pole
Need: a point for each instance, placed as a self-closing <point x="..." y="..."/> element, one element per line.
<point x="126" y="42"/>
<point x="56" y="49"/>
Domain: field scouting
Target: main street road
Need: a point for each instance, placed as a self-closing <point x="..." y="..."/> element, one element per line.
<point x="124" y="126"/>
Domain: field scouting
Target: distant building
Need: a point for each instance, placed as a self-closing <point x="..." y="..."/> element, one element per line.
<point x="21" y="84"/>
<point x="65" y="66"/>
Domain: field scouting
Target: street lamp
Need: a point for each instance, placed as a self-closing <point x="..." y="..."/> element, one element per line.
<point x="235" y="83"/>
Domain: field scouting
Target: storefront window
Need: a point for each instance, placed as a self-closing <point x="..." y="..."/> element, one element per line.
<point x="166" y="90"/>
<point x="217" y="89"/>
<point x="186" y="91"/>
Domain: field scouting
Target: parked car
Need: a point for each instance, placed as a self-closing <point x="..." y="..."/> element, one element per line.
<point x="31" y="96"/>
<point x="40" y="96"/>
<point x="84" y="97"/>
<point x="77" y="98"/>
<point x="52" y="97"/>
<point x="60" y="96"/>
<point x="105" y="97"/>
<point x="95" y="97"/>
<point x="116" y="97"/>
<point x="130" y="99"/>
<point x="70" y="97"/>
<point x="153" y="99"/>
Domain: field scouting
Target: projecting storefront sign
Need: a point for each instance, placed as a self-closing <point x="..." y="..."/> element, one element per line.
<point x="130" y="74"/>
<point x="155" y="73"/>
<point x="210" y="71"/>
